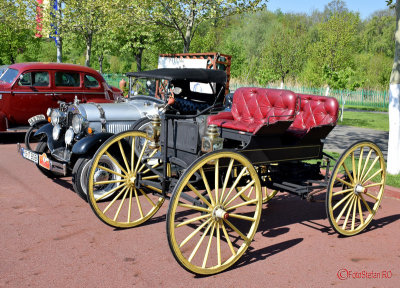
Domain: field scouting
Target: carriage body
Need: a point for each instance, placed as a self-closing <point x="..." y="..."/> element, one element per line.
<point x="219" y="166"/>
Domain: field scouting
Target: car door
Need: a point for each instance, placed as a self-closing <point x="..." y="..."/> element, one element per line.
<point x="93" y="87"/>
<point x="67" y="85"/>
<point x="31" y="95"/>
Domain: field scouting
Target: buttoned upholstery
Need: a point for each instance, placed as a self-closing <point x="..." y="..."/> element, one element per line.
<point x="314" y="111"/>
<point x="253" y="108"/>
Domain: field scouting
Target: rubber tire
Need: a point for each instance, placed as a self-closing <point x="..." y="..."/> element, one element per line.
<point x="32" y="130"/>
<point x="43" y="148"/>
<point x="140" y="124"/>
<point x="77" y="177"/>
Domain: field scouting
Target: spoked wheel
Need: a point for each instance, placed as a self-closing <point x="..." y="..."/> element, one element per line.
<point x="134" y="176"/>
<point x="356" y="188"/>
<point x="267" y="194"/>
<point x="209" y="226"/>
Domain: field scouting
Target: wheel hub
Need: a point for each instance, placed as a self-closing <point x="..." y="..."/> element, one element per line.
<point x="131" y="179"/>
<point x="219" y="213"/>
<point x="359" y="189"/>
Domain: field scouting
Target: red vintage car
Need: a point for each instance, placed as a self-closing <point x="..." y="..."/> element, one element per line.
<point x="28" y="89"/>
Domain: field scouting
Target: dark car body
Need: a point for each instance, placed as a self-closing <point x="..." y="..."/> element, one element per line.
<point x="28" y="89"/>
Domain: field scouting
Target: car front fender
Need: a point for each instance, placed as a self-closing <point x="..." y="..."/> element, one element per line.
<point x="90" y="143"/>
<point x="47" y="129"/>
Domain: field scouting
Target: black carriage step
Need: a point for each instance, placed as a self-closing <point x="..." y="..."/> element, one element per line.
<point x="293" y="188"/>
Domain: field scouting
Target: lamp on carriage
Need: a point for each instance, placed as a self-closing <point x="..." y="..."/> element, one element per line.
<point x="154" y="131"/>
<point x="211" y="141"/>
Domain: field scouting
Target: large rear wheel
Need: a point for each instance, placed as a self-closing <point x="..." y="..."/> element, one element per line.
<point x="136" y="193"/>
<point x="209" y="226"/>
<point x="356" y="188"/>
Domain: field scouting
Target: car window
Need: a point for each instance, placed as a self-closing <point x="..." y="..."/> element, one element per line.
<point x="38" y="79"/>
<point x="91" y="82"/>
<point x="67" y="79"/>
<point x="9" y="75"/>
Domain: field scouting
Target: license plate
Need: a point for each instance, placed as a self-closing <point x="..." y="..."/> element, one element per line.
<point x="36" y="118"/>
<point x="31" y="156"/>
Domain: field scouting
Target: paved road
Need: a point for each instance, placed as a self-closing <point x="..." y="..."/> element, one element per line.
<point x="342" y="137"/>
<point x="50" y="238"/>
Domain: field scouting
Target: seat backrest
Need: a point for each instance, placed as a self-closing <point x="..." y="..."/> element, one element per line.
<point x="252" y="104"/>
<point x="316" y="111"/>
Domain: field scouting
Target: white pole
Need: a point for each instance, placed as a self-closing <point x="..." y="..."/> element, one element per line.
<point x="393" y="161"/>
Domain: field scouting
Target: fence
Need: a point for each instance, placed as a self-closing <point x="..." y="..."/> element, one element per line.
<point x="359" y="98"/>
<point x="113" y="79"/>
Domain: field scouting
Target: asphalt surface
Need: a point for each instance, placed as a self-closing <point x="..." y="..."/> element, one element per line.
<point x="342" y="137"/>
<point x="51" y="238"/>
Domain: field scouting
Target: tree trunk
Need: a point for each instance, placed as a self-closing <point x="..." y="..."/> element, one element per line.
<point x="138" y="57"/>
<point x="58" y="33"/>
<point x="101" y="58"/>
<point x="393" y="160"/>
<point x="189" y="29"/>
<point x="59" y="48"/>
<point x="89" y="38"/>
<point x="12" y="58"/>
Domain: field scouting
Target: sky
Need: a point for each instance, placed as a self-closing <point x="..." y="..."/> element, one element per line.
<point x="364" y="7"/>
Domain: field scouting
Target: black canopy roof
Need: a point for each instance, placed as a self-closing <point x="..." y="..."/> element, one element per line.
<point x="188" y="74"/>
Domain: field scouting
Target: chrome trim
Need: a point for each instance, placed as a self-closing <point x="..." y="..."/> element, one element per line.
<point x="118" y="127"/>
<point x="58" y="167"/>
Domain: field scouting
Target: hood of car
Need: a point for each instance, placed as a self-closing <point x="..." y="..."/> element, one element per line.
<point x="125" y="111"/>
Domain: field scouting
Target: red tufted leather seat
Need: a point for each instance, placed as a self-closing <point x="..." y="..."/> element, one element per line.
<point x="314" y="111"/>
<point x="252" y="108"/>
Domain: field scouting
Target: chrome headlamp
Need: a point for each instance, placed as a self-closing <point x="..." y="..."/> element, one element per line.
<point x="78" y="123"/>
<point x="69" y="136"/>
<point x="56" y="131"/>
<point x="56" y="116"/>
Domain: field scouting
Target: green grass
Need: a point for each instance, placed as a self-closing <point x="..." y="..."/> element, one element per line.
<point x="391" y="180"/>
<point x="380" y="109"/>
<point x="377" y="121"/>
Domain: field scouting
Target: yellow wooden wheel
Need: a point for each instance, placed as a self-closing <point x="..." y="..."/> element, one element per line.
<point x="209" y="226"/>
<point x="356" y="188"/>
<point x="267" y="193"/>
<point x="135" y="195"/>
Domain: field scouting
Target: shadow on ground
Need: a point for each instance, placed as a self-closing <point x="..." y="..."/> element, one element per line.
<point x="12" y="137"/>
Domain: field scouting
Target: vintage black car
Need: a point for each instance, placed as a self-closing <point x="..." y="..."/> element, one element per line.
<point x="77" y="130"/>
<point x="219" y="167"/>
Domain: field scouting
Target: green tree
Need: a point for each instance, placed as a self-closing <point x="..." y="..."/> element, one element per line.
<point x="284" y="51"/>
<point x="185" y="16"/>
<point x="17" y="23"/>
<point x="378" y="33"/>
<point x="85" y="18"/>
<point x="129" y="32"/>
<point x="335" y="46"/>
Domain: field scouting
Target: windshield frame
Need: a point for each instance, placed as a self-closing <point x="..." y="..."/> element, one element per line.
<point x="7" y="78"/>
